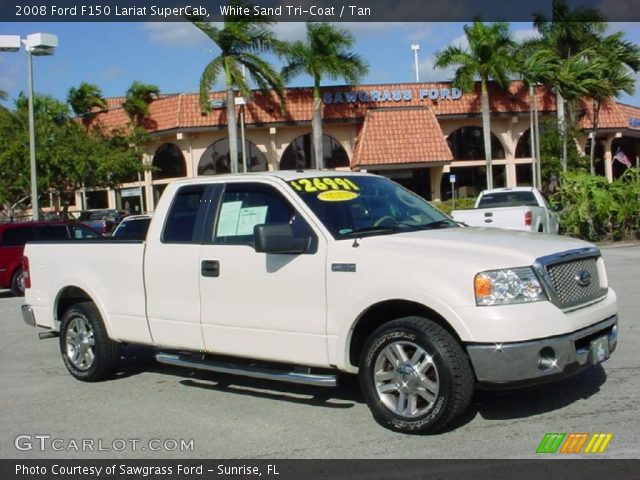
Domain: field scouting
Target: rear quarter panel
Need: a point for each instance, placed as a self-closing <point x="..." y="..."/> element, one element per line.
<point x="110" y="272"/>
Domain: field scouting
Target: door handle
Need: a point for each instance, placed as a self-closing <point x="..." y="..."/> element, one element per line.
<point x="210" y="268"/>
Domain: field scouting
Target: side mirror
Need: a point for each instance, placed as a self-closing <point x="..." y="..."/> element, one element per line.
<point x="280" y="238"/>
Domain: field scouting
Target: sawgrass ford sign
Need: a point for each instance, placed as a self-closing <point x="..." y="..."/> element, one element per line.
<point x="352" y="96"/>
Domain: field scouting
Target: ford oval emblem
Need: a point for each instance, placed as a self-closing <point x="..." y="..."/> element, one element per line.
<point x="583" y="278"/>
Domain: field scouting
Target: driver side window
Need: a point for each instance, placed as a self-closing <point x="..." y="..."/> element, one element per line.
<point x="243" y="206"/>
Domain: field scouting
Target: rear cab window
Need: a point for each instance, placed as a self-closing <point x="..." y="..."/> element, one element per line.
<point x="185" y="215"/>
<point x="52" y="232"/>
<point x="508" y="199"/>
<point x="17" y="236"/>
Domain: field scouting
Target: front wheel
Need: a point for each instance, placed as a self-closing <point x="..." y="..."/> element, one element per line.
<point x="415" y="376"/>
<point x="87" y="351"/>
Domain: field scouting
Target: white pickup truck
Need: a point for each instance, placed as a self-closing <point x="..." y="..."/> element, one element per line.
<point x="302" y="275"/>
<point x="517" y="208"/>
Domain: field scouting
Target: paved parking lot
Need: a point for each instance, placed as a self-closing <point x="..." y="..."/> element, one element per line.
<point x="150" y="409"/>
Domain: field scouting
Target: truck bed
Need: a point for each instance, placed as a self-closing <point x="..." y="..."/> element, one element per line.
<point x="115" y="270"/>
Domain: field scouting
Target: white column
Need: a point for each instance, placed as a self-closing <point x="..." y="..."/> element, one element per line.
<point x="608" y="158"/>
<point x="272" y="151"/>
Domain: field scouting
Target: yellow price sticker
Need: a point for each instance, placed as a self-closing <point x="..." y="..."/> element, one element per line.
<point x="337" y="196"/>
<point x="323" y="184"/>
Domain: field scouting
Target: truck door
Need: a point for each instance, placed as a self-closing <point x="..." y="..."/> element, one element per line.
<point x="267" y="306"/>
<point x="172" y="272"/>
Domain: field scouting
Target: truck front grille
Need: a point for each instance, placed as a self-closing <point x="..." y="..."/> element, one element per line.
<point x="573" y="278"/>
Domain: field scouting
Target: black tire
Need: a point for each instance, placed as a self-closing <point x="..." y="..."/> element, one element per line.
<point x="17" y="285"/>
<point x="87" y="351"/>
<point x="427" y="389"/>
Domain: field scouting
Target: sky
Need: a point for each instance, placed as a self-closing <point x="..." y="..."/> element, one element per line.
<point x="173" y="55"/>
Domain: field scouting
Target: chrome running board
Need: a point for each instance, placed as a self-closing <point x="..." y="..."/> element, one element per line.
<point x="318" y="380"/>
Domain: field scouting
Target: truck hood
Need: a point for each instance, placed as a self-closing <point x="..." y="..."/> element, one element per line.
<point x="484" y="248"/>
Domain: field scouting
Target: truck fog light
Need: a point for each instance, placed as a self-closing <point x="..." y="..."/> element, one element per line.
<point x="547" y="359"/>
<point x="613" y="337"/>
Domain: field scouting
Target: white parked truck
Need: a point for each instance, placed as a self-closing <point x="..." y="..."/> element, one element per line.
<point x="298" y="276"/>
<point x="517" y="208"/>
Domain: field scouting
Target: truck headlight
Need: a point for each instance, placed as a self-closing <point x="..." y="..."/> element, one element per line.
<point x="507" y="286"/>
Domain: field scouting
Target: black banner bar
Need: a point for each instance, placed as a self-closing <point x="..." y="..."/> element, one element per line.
<point x="532" y="469"/>
<point x="303" y="10"/>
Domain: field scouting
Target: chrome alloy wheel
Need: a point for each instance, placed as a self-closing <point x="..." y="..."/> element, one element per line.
<point x="406" y="379"/>
<point x="80" y="343"/>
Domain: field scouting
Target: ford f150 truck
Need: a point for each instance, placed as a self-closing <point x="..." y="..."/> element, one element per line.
<point x="298" y="276"/>
<point x="518" y="208"/>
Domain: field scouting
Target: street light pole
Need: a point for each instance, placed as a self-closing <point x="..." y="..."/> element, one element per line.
<point x="38" y="44"/>
<point x="415" y="47"/>
<point x="32" y="142"/>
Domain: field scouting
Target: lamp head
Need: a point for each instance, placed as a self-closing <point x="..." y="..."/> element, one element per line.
<point x="40" y="44"/>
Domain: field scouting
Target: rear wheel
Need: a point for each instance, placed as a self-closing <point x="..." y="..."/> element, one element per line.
<point x="415" y="376"/>
<point x="17" y="283"/>
<point x="87" y="351"/>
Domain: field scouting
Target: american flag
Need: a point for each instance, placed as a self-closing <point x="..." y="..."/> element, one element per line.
<point x="622" y="158"/>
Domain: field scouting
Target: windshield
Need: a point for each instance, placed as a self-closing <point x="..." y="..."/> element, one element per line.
<point x="355" y="206"/>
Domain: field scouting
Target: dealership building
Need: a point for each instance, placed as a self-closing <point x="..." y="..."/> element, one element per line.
<point x="426" y="136"/>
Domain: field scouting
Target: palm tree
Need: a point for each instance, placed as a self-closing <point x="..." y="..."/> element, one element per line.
<point x="613" y="60"/>
<point x="84" y="99"/>
<point x="324" y="53"/>
<point x="574" y="78"/>
<point x="138" y="97"/>
<point x="3" y="95"/>
<point x="489" y="56"/>
<point x="241" y="40"/>
<point x="568" y="32"/>
<point x="136" y="105"/>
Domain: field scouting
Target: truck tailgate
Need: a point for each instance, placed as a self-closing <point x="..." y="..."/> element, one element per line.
<point x="511" y="218"/>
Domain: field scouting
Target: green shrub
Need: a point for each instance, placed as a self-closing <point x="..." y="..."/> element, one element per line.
<point x="594" y="209"/>
<point x="447" y="206"/>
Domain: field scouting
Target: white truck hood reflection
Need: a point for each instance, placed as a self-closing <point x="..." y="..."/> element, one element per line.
<point x="484" y="248"/>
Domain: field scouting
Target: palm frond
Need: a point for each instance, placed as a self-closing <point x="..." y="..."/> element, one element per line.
<point x="207" y="79"/>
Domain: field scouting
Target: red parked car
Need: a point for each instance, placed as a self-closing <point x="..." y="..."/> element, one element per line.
<point x="13" y="236"/>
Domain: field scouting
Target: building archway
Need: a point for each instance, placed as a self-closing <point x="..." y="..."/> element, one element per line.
<point x="523" y="148"/>
<point x="298" y="155"/>
<point x="169" y="162"/>
<point x="215" y="158"/>
<point x="466" y="143"/>
<point x="628" y="147"/>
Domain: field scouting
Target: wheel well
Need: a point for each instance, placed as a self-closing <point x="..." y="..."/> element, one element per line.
<point x="384" y="312"/>
<point x="15" y="270"/>
<point x="70" y="296"/>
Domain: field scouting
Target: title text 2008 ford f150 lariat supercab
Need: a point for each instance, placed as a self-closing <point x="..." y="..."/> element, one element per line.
<point x="334" y="272"/>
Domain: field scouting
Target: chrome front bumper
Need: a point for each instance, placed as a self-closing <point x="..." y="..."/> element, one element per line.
<point x="27" y="315"/>
<point x="539" y="360"/>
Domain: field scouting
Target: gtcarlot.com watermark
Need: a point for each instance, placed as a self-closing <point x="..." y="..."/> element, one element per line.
<point x="49" y="443"/>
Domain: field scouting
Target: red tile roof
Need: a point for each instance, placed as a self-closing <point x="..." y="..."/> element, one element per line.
<point x="182" y="111"/>
<point x="613" y="115"/>
<point x="402" y="135"/>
